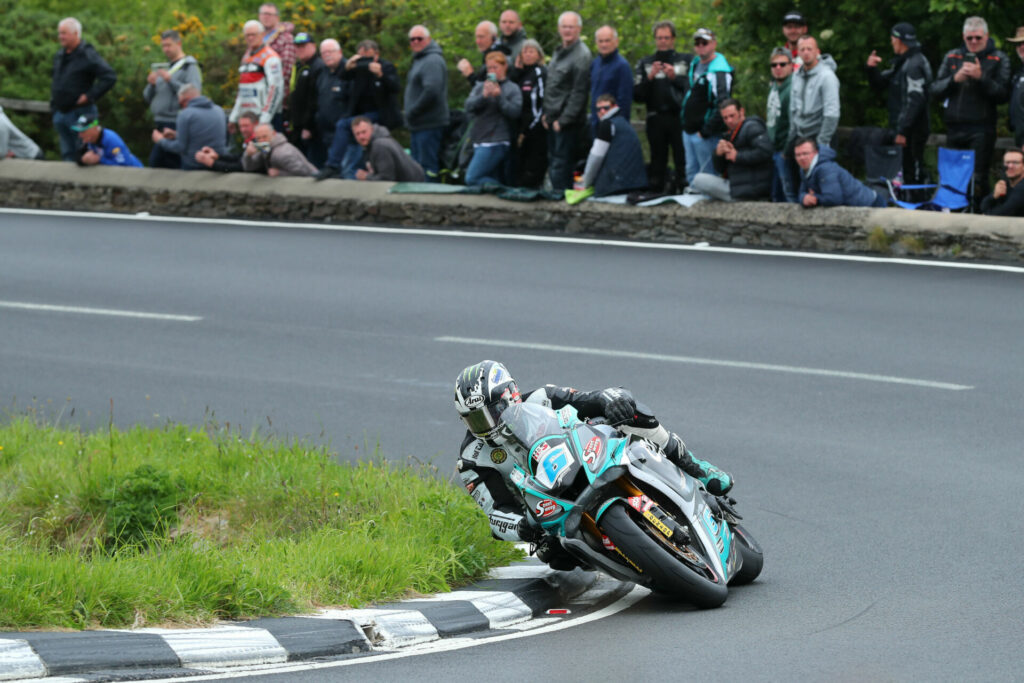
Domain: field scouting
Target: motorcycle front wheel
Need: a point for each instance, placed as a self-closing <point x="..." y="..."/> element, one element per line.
<point x="662" y="571"/>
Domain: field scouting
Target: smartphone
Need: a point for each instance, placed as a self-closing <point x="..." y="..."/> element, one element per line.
<point x="492" y="77"/>
<point x="971" y="57"/>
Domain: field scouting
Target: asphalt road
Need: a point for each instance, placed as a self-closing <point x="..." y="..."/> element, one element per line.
<point x="885" y="497"/>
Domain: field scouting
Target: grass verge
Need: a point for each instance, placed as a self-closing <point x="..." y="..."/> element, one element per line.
<point x="189" y="525"/>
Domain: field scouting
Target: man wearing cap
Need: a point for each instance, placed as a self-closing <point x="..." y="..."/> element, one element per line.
<point x="710" y="83"/>
<point x="161" y="92"/>
<point x="260" y="80"/>
<point x="302" y="96"/>
<point x="200" y="123"/>
<point x="565" y="101"/>
<point x="973" y="80"/>
<point x="906" y="82"/>
<point x="794" y="25"/>
<point x="101" y="145"/>
<point x="80" y="78"/>
<point x="1017" y="92"/>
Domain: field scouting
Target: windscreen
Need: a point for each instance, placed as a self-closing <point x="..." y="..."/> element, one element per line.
<point x="528" y="422"/>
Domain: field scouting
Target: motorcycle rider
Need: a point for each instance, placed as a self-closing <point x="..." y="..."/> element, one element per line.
<point x="484" y="390"/>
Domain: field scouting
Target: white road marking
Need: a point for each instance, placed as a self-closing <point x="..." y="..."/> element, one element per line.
<point x="19" y="660"/>
<point x="445" y="645"/>
<point x="50" y="308"/>
<point x="521" y="238"/>
<point x="504" y="343"/>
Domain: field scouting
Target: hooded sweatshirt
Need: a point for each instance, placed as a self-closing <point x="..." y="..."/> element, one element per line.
<point x="200" y="124"/>
<point x="282" y="155"/>
<point x="834" y="185"/>
<point x="388" y="160"/>
<point x="426" y="90"/>
<point x="814" y="102"/>
<point x="162" y="96"/>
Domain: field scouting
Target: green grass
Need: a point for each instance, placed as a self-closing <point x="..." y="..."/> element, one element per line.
<point x="189" y="525"/>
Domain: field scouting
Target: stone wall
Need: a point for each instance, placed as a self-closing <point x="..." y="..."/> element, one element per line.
<point x="55" y="185"/>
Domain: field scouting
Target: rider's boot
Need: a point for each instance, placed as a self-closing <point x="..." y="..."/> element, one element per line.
<point x="715" y="480"/>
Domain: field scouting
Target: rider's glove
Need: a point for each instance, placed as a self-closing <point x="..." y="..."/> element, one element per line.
<point x="617" y="405"/>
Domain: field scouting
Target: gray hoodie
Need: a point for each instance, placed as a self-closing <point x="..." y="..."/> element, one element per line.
<point x="163" y="96"/>
<point x="814" y="102"/>
<point x="494" y="119"/>
<point x="388" y="160"/>
<point x="282" y="155"/>
<point x="200" y="124"/>
<point x="426" y="90"/>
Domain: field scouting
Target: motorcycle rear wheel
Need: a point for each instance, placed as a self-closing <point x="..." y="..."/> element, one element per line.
<point x="753" y="558"/>
<point x="663" y="572"/>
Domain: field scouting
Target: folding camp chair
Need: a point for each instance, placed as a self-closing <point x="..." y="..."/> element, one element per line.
<point x="956" y="183"/>
<point x="883" y="165"/>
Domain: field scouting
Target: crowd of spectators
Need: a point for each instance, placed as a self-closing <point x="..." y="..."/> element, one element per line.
<point x="303" y="109"/>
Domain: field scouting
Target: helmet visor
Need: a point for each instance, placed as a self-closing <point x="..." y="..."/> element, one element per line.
<point x="481" y="422"/>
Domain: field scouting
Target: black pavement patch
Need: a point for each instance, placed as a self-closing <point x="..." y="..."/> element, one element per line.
<point x="68" y="653"/>
<point x="306" y="638"/>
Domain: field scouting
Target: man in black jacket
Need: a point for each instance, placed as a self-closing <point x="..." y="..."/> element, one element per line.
<point x="302" y="97"/>
<point x="907" y="85"/>
<point x="660" y="81"/>
<point x="1007" y="198"/>
<point x="974" y="78"/>
<point x="743" y="158"/>
<point x="1017" y="91"/>
<point x="80" y="78"/>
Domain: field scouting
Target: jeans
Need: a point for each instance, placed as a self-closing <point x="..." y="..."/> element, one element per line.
<point x="487" y="165"/>
<point x="338" y="155"/>
<point x="425" y="146"/>
<point x="63" y="121"/>
<point x="783" y="189"/>
<point x="562" y="151"/>
<point x="698" y="154"/>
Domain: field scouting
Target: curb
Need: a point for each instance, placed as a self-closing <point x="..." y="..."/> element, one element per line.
<point x="509" y="597"/>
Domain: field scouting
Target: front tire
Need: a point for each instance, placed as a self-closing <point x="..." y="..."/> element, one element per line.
<point x="663" y="573"/>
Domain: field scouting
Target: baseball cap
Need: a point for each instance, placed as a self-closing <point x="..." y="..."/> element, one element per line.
<point x="704" y="34"/>
<point x="303" y="38"/>
<point x="794" y="17"/>
<point x="84" y="123"/>
<point x="906" y="33"/>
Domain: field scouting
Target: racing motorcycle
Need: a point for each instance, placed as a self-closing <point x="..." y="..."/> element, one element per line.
<point x="619" y="505"/>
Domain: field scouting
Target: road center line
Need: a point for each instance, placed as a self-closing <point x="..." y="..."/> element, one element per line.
<point x="48" y="308"/>
<point x="705" y="361"/>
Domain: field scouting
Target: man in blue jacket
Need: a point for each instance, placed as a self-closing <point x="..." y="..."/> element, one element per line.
<point x="101" y="145"/>
<point x="609" y="74"/>
<point x="823" y="182"/>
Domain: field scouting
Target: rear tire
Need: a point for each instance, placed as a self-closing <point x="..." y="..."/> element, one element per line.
<point x="662" y="572"/>
<point x="753" y="559"/>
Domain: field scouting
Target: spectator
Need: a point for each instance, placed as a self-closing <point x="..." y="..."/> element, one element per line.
<point x="610" y="73"/>
<point x="743" y="159"/>
<point x="384" y="157"/>
<point x="785" y="173"/>
<point x="161" y="92"/>
<point x="974" y="78"/>
<point x="1007" y="198"/>
<point x="200" y="124"/>
<point x="494" y="106"/>
<point x="277" y="35"/>
<point x="512" y="36"/>
<point x="302" y="97"/>
<point x="907" y="83"/>
<point x="794" y="25"/>
<point x="532" y="144"/>
<point x="823" y="182"/>
<point x="709" y="82"/>
<point x="372" y="85"/>
<point x="814" y="96"/>
<point x="426" y="100"/>
<point x="260" y="82"/>
<point x="616" y="161"/>
<point x="661" y="82"/>
<point x="271" y="152"/>
<point x="101" y="145"/>
<point x="331" y="94"/>
<point x="80" y="78"/>
<point x="14" y="143"/>
<point x="230" y="161"/>
<point x="565" y="101"/>
<point x="1017" y="92"/>
<point x="486" y="38"/>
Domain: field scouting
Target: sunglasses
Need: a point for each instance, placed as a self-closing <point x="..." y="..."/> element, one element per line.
<point x="603" y="107"/>
<point x="416" y="39"/>
<point x="972" y="38"/>
<point x="700" y="41"/>
<point x="779" y="64"/>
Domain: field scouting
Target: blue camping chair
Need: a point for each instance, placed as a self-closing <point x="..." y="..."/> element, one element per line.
<point x="956" y="182"/>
